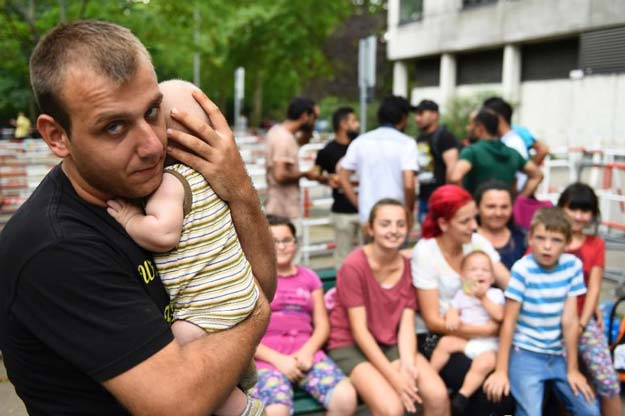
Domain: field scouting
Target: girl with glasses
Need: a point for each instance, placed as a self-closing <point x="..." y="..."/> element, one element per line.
<point x="290" y="352"/>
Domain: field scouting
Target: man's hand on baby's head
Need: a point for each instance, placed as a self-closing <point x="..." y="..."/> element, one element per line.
<point x="123" y="211"/>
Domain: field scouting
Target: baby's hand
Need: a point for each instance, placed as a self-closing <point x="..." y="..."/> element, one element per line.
<point x="123" y="211"/>
<point x="452" y="319"/>
<point x="479" y="291"/>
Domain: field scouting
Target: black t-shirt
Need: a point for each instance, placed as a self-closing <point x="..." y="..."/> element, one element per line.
<point x="80" y="302"/>
<point x="327" y="158"/>
<point x="432" y="170"/>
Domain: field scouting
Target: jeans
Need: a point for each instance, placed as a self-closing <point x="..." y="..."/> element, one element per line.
<point x="528" y="373"/>
<point x="423" y="210"/>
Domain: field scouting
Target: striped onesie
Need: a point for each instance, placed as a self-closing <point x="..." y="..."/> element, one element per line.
<point x="207" y="276"/>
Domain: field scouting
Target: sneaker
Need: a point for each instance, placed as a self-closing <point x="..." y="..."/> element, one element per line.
<point x="458" y="404"/>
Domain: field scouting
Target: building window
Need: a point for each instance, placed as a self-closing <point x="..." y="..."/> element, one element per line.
<point x="481" y="67"/>
<point x="410" y="11"/>
<point x="427" y="72"/>
<point x="549" y="60"/>
<point x="471" y="3"/>
<point x="602" y="52"/>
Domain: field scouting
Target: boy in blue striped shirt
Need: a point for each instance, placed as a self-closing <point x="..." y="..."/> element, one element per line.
<point x="538" y="338"/>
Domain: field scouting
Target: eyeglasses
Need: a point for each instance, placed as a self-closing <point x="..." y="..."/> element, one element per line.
<point x="286" y="241"/>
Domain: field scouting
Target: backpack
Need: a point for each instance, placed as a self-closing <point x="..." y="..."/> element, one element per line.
<point x="617" y="345"/>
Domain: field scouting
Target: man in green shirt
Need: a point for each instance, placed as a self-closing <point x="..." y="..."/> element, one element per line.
<point x="490" y="158"/>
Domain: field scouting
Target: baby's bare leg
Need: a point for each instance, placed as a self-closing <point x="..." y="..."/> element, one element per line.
<point x="185" y="332"/>
<point x="481" y="367"/>
<point x="234" y="404"/>
<point x="446" y="346"/>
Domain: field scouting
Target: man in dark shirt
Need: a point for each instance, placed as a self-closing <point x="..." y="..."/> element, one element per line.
<point x="344" y="213"/>
<point x="84" y="318"/>
<point x="438" y="152"/>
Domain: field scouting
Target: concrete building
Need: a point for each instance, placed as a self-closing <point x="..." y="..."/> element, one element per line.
<point x="561" y="62"/>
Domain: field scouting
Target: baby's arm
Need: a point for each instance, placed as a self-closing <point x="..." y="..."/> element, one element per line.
<point x="157" y="230"/>
<point x="494" y="309"/>
<point x="452" y="315"/>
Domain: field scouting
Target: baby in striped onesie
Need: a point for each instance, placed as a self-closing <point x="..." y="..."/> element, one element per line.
<point x="198" y="255"/>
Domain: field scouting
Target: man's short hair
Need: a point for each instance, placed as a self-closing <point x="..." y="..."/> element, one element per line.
<point x="553" y="219"/>
<point x="107" y="49"/>
<point x="340" y="115"/>
<point x="426" y="105"/>
<point x="486" y="118"/>
<point x="501" y="107"/>
<point x="393" y="109"/>
<point x="299" y="106"/>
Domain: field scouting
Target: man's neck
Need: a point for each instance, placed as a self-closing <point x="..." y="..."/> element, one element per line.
<point x="291" y="125"/>
<point x="83" y="189"/>
<point x="431" y="128"/>
<point x="504" y="129"/>
<point x="341" y="137"/>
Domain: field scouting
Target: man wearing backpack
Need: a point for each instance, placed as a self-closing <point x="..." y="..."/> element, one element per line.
<point x="438" y="152"/>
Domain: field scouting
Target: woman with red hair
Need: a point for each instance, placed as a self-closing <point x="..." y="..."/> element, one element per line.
<point x="448" y="235"/>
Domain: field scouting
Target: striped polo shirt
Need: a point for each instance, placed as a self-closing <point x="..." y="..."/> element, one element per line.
<point x="542" y="293"/>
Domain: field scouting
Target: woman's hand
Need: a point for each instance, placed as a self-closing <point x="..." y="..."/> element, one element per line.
<point x="304" y="359"/>
<point x="405" y="384"/>
<point x="452" y="319"/>
<point x="599" y="319"/>
<point x="289" y="367"/>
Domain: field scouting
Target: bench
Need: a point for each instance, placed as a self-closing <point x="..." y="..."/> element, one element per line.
<point x="303" y="403"/>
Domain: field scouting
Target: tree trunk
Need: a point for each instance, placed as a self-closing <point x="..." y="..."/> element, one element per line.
<point x="257" y="100"/>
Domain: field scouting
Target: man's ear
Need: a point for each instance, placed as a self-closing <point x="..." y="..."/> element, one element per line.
<point x="54" y="135"/>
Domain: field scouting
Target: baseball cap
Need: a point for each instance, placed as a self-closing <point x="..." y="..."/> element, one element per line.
<point x="426" y="105"/>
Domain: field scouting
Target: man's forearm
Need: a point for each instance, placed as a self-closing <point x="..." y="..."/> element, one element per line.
<point x="194" y="378"/>
<point x="226" y="355"/>
<point x="255" y="238"/>
<point x="531" y="185"/>
<point x="534" y="177"/>
<point x="410" y="196"/>
<point x="348" y="189"/>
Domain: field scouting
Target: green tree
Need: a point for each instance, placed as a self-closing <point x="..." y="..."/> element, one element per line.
<point x="279" y="42"/>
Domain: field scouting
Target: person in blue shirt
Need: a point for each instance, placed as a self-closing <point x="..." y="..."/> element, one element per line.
<point x="538" y="337"/>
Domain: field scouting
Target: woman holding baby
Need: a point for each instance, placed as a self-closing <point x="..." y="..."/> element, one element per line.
<point x="448" y="236"/>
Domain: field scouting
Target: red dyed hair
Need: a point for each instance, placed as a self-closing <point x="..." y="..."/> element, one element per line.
<point x="444" y="202"/>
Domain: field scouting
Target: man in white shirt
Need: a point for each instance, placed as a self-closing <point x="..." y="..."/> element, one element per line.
<point x="384" y="160"/>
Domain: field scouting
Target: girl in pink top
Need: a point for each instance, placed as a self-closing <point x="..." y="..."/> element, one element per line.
<point x="373" y="336"/>
<point x="290" y="352"/>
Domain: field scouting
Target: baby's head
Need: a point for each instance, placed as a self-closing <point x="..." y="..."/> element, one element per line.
<point x="177" y="94"/>
<point x="477" y="273"/>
